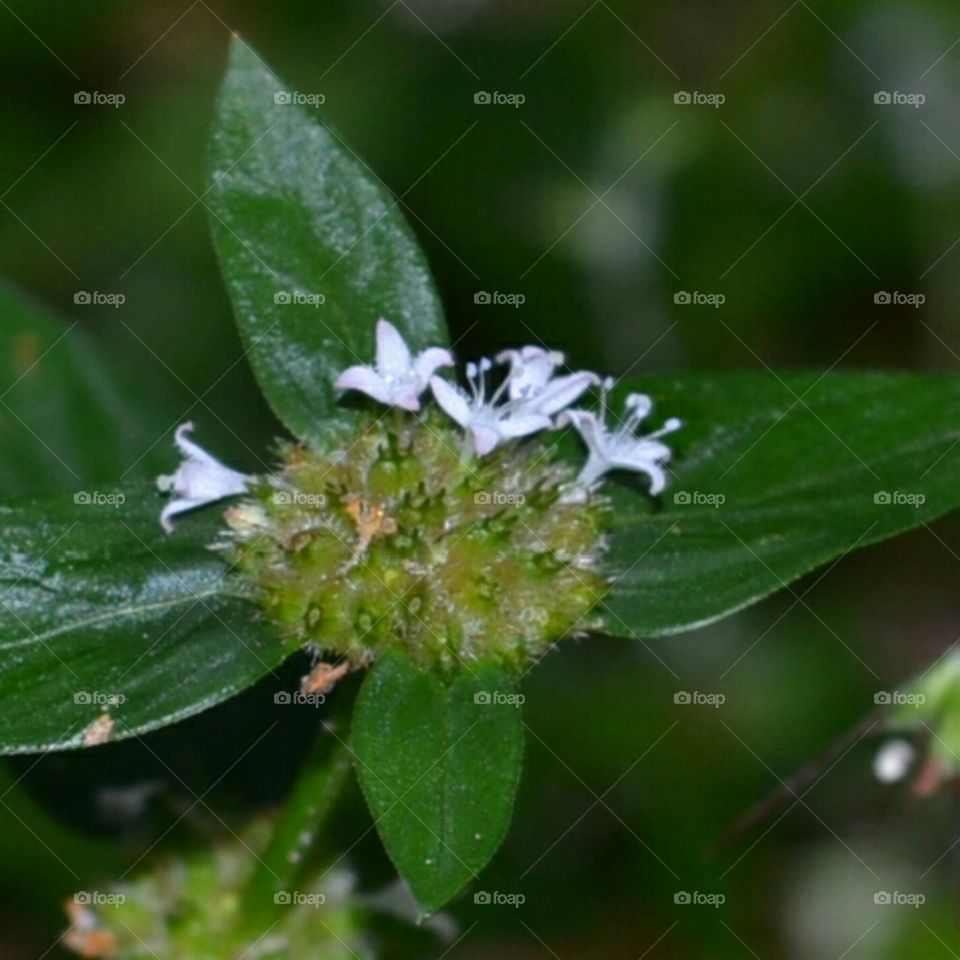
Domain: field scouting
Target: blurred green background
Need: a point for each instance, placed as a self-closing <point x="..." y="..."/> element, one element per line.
<point x="601" y="200"/>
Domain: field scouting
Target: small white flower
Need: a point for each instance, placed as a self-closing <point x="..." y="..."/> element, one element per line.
<point x="398" y="378"/>
<point x="201" y="479"/>
<point x="622" y="449"/>
<point x="531" y="380"/>
<point x="893" y="760"/>
<point x="487" y="422"/>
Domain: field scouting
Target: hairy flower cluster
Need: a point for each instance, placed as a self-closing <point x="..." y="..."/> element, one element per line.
<point x="441" y="530"/>
<point x="396" y="536"/>
<point x="192" y="907"/>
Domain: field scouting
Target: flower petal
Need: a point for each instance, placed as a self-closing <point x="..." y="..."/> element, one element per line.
<point x="188" y="448"/>
<point x="522" y="425"/>
<point x="427" y="364"/>
<point x="530" y="370"/>
<point x="172" y="509"/>
<point x="393" y="355"/>
<point x="366" y="380"/>
<point x="485" y="439"/>
<point x="657" y="475"/>
<point x="405" y="397"/>
<point x="586" y="423"/>
<point x="453" y="401"/>
<point x="199" y="480"/>
<point x="563" y="391"/>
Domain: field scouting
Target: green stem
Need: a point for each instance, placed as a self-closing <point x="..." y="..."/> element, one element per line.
<point x="317" y="788"/>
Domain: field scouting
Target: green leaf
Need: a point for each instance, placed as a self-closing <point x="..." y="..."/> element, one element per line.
<point x="96" y="602"/>
<point x="66" y="416"/>
<point x="296" y="214"/>
<point x="439" y="766"/>
<point x="800" y="461"/>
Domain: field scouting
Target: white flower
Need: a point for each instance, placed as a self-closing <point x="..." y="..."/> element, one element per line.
<point x="622" y="449"/>
<point x="893" y="760"/>
<point x="531" y="380"/>
<point x="201" y="479"/>
<point x="486" y="422"/>
<point x="533" y="396"/>
<point x="398" y="378"/>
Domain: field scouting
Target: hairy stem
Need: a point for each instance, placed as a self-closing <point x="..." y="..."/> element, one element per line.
<point x="305" y="811"/>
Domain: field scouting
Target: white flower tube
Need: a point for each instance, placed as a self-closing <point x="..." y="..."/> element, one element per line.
<point x="200" y="479"/>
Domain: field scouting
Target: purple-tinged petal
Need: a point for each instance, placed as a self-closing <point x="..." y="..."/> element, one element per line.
<point x="366" y="380"/>
<point x="393" y="355"/>
<point x="522" y="425"/>
<point x="563" y="391"/>
<point x="485" y="439"/>
<point x="452" y="401"/>
<point x="428" y="362"/>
